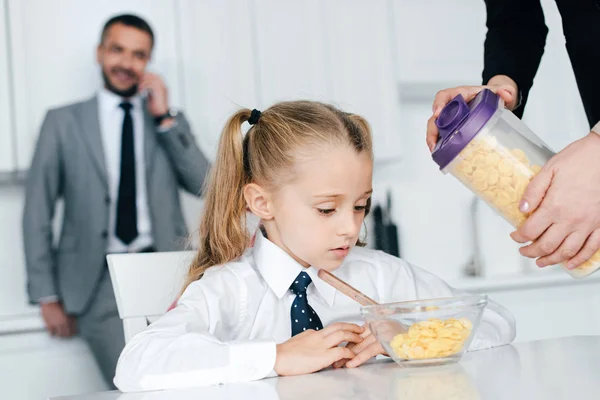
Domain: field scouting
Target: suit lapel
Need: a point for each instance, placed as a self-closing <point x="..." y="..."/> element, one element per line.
<point x="89" y="123"/>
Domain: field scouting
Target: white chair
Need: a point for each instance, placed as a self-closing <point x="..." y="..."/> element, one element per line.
<point x="146" y="284"/>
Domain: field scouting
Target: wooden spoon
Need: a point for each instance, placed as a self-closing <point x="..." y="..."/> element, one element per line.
<point x="348" y="290"/>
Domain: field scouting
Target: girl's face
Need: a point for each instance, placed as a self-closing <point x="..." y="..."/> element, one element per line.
<point x="318" y="216"/>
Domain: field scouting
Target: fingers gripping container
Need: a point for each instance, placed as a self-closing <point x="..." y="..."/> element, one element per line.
<point x="494" y="154"/>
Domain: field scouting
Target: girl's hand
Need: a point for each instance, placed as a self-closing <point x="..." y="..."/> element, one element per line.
<point x="364" y="351"/>
<point x="311" y="351"/>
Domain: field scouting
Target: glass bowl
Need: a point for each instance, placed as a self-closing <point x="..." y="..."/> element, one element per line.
<point x="426" y="332"/>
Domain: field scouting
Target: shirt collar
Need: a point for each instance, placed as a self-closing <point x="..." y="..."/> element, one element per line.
<point x="110" y="101"/>
<point x="279" y="269"/>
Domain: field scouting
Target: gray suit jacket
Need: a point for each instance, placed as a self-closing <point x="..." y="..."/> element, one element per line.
<point x="69" y="163"/>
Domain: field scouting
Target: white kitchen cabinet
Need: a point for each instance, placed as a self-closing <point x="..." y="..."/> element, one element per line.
<point x="328" y="51"/>
<point x="361" y="60"/>
<point x="53" y="55"/>
<point x="13" y="295"/>
<point x="36" y="366"/>
<point x="441" y="44"/>
<point x="7" y="134"/>
<point x="217" y="63"/>
<point x="546" y="304"/>
<point x="291" y="51"/>
<point x="439" y="41"/>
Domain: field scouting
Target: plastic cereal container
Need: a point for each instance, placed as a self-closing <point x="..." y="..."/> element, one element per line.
<point x="494" y="154"/>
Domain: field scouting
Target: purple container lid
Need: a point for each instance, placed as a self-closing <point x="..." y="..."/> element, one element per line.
<point x="459" y="122"/>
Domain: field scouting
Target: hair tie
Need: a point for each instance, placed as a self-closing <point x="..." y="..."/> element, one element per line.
<point x="254" y="117"/>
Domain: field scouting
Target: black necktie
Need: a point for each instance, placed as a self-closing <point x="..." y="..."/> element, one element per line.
<point x="302" y="314"/>
<point x="126" y="229"/>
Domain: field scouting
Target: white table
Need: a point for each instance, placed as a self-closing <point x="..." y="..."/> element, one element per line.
<point x="549" y="369"/>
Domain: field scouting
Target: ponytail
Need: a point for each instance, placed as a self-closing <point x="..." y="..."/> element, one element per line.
<point x="223" y="234"/>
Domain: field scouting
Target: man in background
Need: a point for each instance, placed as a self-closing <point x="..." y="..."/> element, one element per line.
<point x="118" y="161"/>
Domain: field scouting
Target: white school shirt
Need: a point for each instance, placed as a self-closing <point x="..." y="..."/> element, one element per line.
<point x="111" y="126"/>
<point x="226" y="325"/>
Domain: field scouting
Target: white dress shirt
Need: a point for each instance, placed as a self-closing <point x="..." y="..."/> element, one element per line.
<point x="111" y="126"/>
<point x="596" y="128"/>
<point x="226" y="325"/>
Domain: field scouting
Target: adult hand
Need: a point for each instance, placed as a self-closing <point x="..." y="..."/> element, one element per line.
<point x="58" y="323"/>
<point x="158" y="96"/>
<point x="564" y="199"/>
<point x="502" y="85"/>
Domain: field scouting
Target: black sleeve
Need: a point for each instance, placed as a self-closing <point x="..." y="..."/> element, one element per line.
<point x="515" y="42"/>
<point x="581" y="24"/>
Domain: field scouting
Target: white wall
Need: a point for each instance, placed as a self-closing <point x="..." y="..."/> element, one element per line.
<point x="381" y="58"/>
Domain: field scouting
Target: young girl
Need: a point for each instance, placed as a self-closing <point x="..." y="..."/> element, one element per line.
<point x="305" y="169"/>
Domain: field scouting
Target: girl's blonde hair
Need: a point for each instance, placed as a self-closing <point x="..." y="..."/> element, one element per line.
<point x="266" y="156"/>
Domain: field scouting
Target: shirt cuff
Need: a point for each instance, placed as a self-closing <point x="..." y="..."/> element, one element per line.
<point x="249" y="361"/>
<point x="596" y="128"/>
<point x="519" y="101"/>
<point x="162" y="129"/>
<point x="48" y="299"/>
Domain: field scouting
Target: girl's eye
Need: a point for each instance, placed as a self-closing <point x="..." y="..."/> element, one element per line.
<point x="326" y="211"/>
<point x="360" y="208"/>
